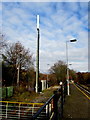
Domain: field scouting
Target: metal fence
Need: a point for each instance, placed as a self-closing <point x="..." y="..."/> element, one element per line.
<point x="18" y="110"/>
<point x="53" y="109"/>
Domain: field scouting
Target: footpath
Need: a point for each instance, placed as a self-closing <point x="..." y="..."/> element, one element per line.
<point x="76" y="106"/>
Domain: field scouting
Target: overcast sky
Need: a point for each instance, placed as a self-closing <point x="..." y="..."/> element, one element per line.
<point x="59" y="22"/>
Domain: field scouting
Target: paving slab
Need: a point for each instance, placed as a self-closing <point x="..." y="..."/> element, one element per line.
<point x="76" y="106"/>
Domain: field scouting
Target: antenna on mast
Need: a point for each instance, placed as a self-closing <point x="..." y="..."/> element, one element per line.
<point x="37" y="21"/>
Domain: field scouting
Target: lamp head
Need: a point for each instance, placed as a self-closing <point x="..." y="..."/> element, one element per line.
<point x="73" y="40"/>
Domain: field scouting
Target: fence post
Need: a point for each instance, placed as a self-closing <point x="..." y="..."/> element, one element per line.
<point x="19" y="110"/>
<point x="55" y="104"/>
<point x="33" y="109"/>
<point x="66" y="88"/>
<point x="48" y="111"/>
<point x="62" y="100"/>
<point x="6" y="109"/>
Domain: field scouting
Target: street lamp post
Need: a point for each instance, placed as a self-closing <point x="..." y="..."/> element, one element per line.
<point x="18" y="68"/>
<point x="73" y="40"/>
<point x="47" y="76"/>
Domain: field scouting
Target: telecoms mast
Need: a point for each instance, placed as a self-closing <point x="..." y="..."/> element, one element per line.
<point x="37" y="59"/>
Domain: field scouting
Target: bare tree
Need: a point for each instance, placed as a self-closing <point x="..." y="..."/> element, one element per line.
<point x="16" y="59"/>
<point x="2" y="41"/>
<point x="59" y="69"/>
<point x="16" y="55"/>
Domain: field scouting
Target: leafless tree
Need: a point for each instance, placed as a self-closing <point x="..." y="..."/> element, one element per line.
<point x="59" y="69"/>
<point x="17" y="59"/>
<point x="2" y="41"/>
<point x="16" y="55"/>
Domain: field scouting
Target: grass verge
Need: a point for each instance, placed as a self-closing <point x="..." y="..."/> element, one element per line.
<point x="22" y="95"/>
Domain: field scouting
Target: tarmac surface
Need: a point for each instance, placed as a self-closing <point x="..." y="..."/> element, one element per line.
<point x="77" y="105"/>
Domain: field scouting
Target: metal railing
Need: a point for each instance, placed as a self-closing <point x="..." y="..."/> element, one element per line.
<point x="53" y="108"/>
<point x="18" y="110"/>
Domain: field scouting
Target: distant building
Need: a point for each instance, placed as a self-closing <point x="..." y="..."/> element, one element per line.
<point x="44" y="85"/>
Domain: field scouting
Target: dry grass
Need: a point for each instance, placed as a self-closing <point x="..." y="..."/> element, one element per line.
<point x="45" y="95"/>
<point x="26" y="96"/>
